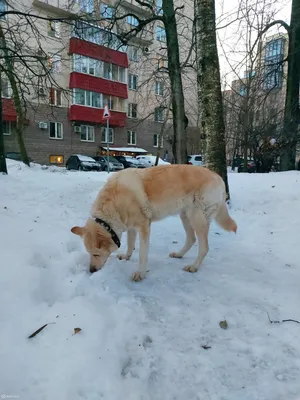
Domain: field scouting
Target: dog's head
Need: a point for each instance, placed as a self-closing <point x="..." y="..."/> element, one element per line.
<point x="97" y="241"/>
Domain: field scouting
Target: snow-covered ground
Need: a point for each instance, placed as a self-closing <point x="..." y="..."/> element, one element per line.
<point x="143" y="341"/>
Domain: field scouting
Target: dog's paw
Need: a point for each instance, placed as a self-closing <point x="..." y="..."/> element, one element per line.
<point x="190" y="268"/>
<point x="123" y="257"/>
<point x="175" y="255"/>
<point x="137" y="276"/>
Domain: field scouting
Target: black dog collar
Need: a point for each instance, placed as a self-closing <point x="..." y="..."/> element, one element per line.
<point x="113" y="234"/>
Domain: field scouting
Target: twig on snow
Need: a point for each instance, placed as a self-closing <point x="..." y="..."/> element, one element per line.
<point x="284" y="320"/>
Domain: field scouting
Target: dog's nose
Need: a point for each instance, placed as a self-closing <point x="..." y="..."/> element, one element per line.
<point x="92" y="269"/>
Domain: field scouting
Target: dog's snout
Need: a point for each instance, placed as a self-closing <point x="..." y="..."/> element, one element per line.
<point x="92" y="269"/>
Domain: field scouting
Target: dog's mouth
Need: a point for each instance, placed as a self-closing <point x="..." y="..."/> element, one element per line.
<point x="93" y="269"/>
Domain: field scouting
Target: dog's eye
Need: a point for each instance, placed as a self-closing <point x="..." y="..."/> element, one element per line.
<point x="96" y="255"/>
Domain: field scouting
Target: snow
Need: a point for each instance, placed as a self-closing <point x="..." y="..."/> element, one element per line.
<point x="143" y="341"/>
<point x="85" y="158"/>
<point x="127" y="149"/>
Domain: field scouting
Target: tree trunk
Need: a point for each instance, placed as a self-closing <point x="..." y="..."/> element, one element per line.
<point x="161" y="135"/>
<point x="209" y="89"/>
<point x="291" y="112"/>
<point x="10" y="73"/>
<point x="3" y="166"/>
<point x="179" y="141"/>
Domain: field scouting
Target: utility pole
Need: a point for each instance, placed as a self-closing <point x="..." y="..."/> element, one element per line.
<point x="106" y="115"/>
<point x="3" y="166"/>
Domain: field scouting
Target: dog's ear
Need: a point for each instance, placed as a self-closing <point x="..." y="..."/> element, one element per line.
<point x="77" y="230"/>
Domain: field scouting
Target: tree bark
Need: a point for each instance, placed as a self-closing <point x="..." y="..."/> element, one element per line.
<point x="291" y="112"/>
<point x="3" y="166"/>
<point x="180" y="140"/>
<point x="8" y="68"/>
<point x="209" y="89"/>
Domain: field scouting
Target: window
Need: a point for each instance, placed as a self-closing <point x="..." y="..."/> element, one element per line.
<point x="159" y="7"/>
<point x="107" y="11"/>
<point x="8" y="127"/>
<point x="54" y="64"/>
<point x="56" y="130"/>
<point x="87" y="65"/>
<point x="86" y="6"/>
<point x="159" y="114"/>
<point x="122" y="74"/>
<point x="243" y="90"/>
<point x="131" y="20"/>
<point x="87" y="133"/>
<point x="156" y="139"/>
<point x="159" y="88"/>
<point x="274" y="48"/>
<point x="56" y="159"/>
<point x="161" y="62"/>
<point x="132" y="110"/>
<point x="161" y="34"/>
<point x="54" y="28"/>
<point x="97" y="35"/>
<point x="273" y="75"/>
<point x="104" y="135"/>
<point x="55" y="97"/>
<point x="131" y="138"/>
<point x="133" y="53"/>
<point x="88" y="98"/>
<point x="132" y="81"/>
<point x="3" y="8"/>
<point x="6" y="89"/>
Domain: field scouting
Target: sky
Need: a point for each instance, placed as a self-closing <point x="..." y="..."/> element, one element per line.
<point x="231" y="32"/>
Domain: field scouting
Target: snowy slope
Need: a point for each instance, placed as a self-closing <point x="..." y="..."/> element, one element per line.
<point x="143" y="341"/>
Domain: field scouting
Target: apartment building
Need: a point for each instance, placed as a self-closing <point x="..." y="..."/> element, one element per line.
<point x="88" y="68"/>
<point x="254" y="105"/>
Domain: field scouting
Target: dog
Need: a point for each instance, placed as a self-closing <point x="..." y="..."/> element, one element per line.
<point x="134" y="198"/>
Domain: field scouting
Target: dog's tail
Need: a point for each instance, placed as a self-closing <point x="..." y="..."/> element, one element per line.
<point x="224" y="220"/>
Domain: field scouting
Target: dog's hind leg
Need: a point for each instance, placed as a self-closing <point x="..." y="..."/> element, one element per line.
<point x="190" y="237"/>
<point x="131" y="238"/>
<point x="201" y="226"/>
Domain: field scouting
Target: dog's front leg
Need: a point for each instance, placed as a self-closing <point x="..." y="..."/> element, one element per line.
<point x="144" y="234"/>
<point x="131" y="238"/>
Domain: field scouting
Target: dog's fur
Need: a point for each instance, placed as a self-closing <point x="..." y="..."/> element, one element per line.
<point x="133" y="198"/>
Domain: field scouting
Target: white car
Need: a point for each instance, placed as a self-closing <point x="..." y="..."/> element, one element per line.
<point x="149" y="161"/>
<point x="195" y="159"/>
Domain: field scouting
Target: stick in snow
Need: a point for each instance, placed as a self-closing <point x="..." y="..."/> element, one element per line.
<point x="284" y="320"/>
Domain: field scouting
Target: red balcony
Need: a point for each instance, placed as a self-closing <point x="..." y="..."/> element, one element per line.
<point x="99" y="85"/>
<point x="8" y="110"/>
<point x="92" y="50"/>
<point x="95" y="115"/>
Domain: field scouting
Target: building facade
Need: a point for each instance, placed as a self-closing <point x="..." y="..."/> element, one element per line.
<point x="88" y="67"/>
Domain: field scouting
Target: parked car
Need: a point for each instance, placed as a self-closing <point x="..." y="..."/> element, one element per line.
<point x="114" y="164"/>
<point x="130" y="162"/>
<point x="149" y="161"/>
<point x="81" y="162"/>
<point x="14" y="155"/>
<point x="195" y="159"/>
<point x="251" y="167"/>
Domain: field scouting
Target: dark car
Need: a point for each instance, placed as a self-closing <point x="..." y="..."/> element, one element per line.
<point x="114" y="164"/>
<point x="129" y="162"/>
<point x="14" y="155"/>
<point x="80" y="162"/>
<point x="251" y="167"/>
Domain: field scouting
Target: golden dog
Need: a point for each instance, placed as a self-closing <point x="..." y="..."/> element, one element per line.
<point x="133" y="198"/>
